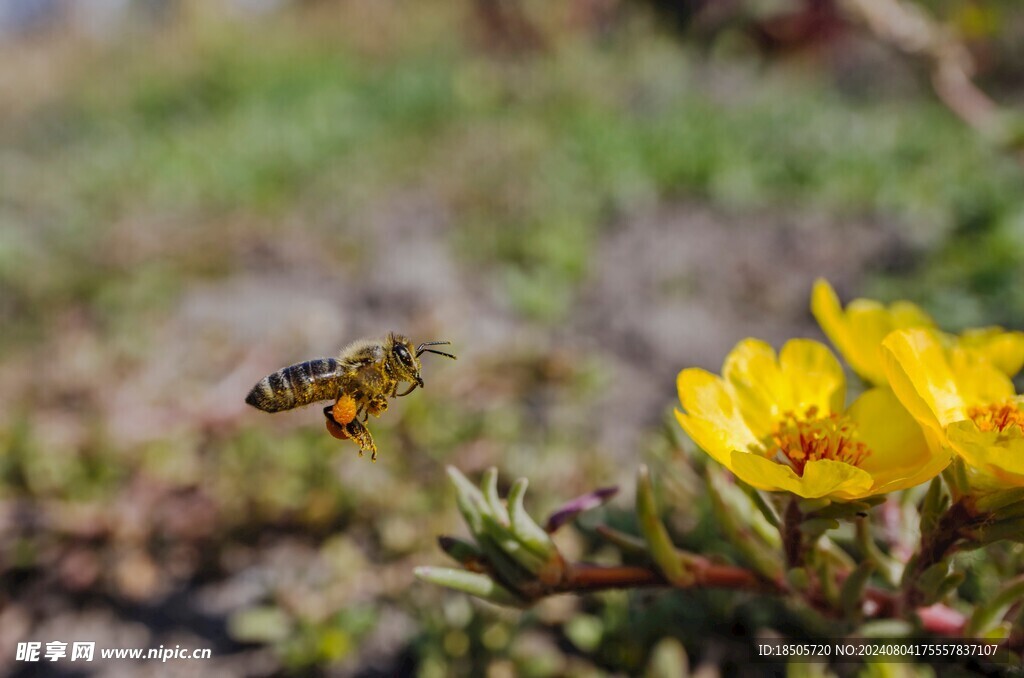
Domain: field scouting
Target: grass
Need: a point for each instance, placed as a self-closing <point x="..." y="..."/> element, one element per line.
<point x="549" y="148"/>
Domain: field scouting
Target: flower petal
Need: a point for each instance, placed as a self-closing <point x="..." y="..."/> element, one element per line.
<point x="828" y="312"/>
<point x="989" y="452"/>
<point x="906" y="315"/>
<point x="858" y="332"/>
<point x="822" y="478"/>
<point x="1005" y="350"/>
<point x="816" y="376"/>
<point x="804" y="375"/>
<point x="977" y="379"/>
<point x="900" y="456"/>
<point x="712" y="418"/>
<point x="922" y="379"/>
<point x="907" y="477"/>
<point x="752" y="371"/>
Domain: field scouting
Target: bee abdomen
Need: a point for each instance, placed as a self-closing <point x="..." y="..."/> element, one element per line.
<point x="296" y="385"/>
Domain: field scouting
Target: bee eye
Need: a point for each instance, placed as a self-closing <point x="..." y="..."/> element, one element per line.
<point x="403" y="355"/>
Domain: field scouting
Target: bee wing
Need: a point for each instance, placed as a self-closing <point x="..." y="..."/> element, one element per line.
<point x="361" y="353"/>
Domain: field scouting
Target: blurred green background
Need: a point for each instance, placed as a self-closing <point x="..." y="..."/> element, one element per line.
<point x="584" y="197"/>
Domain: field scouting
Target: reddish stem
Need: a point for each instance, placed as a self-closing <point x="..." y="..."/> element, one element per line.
<point x="587" y="577"/>
<point x="938" y="544"/>
<point x="792" y="537"/>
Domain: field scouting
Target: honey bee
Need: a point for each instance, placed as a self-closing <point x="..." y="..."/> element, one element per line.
<point x="359" y="381"/>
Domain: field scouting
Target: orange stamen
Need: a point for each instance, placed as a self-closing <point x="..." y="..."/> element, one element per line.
<point x="799" y="440"/>
<point x="997" y="417"/>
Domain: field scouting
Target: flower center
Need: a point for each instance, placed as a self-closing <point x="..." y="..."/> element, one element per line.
<point x="798" y="440"/>
<point x="997" y="417"/>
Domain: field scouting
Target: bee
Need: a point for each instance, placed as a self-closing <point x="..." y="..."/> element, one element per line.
<point x="359" y="381"/>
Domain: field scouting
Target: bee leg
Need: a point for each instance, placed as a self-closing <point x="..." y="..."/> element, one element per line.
<point x="377" y="405"/>
<point x="354" y="430"/>
<point x="407" y="392"/>
<point x="362" y="437"/>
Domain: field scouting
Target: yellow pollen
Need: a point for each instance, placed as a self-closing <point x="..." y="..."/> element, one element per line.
<point x="997" y="417"/>
<point x="798" y="440"/>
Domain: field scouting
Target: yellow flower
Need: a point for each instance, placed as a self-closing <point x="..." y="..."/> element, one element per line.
<point x="857" y="332"/>
<point x="964" y="403"/>
<point x="1005" y="350"/>
<point x="779" y="424"/>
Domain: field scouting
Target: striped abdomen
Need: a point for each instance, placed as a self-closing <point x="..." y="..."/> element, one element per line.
<point x="296" y="385"/>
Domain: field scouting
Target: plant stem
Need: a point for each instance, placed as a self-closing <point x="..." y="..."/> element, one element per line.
<point x="939" y="543"/>
<point x="586" y="577"/>
<point x="792" y="537"/>
<point x="936" y="545"/>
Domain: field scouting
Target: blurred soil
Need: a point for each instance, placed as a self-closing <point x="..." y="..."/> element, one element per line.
<point x="660" y="297"/>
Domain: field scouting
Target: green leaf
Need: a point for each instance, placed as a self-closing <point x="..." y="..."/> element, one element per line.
<point x="503" y="537"/>
<point x="933" y="506"/>
<point x="842" y="510"/>
<point x="758" y="499"/>
<point x="988" y="616"/>
<point x="956" y="478"/>
<point x="489" y="485"/>
<point x="888" y="566"/>
<point x="827" y="581"/>
<point x="815" y="527"/>
<point x="459" y="550"/>
<point x="950" y="584"/>
<point x="930" y="581"/>
<point x="851" y="595"/>
<point x="473" y="583"/>
<point x="726" y="500"/>
<point x="659" y="544"/>
<point x="1012" y="529"/>
<point x="471" y="502"/>
<point x="997" y="500"/>
<point x="811" y="505"/>
<point x="1008" y="512"/>
<point x="626" y="543"/>
<point x="505" y="565"/>
<point x="840" y="558"/>
<point x="532" y="536"/>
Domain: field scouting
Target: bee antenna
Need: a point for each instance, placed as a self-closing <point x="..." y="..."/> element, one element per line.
<point x="430" y="350"/>
<point x="421" y="349"/>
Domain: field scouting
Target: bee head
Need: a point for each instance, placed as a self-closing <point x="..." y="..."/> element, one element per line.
<point x="405" y="360"/>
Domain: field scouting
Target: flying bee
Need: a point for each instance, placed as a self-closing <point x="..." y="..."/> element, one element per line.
<point x="359" y="381"/>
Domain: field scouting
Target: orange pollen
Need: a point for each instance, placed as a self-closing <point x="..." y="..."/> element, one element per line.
<point x="798" y="440"/>
<point x="344" y="410"/>
<point x="997" y="417"/>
